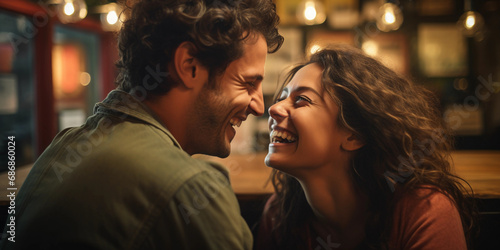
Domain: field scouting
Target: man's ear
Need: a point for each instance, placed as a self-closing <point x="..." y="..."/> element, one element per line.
<point x="352" y="142"/>
<point x="189" y="69"/>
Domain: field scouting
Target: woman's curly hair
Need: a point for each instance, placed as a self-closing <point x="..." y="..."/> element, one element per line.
<point x="217" y="28"/>
<point x="407" y="144"/>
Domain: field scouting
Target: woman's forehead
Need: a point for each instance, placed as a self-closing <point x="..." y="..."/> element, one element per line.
<point x="308" y="76"/>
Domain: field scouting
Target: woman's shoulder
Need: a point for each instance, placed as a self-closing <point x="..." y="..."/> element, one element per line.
<point x="425" y="204"/>
<point x="427" y="196"/>
<point x="426" y="216"/>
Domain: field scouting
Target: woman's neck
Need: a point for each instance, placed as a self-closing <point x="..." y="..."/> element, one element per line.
<point x="341" y="210"/>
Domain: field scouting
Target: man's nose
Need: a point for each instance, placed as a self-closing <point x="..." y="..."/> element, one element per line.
<point x="257" y="102"/>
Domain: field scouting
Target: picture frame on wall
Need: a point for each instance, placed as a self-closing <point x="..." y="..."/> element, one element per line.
<point x="321" y="39"/>
<point x="442" y="50"/>
<point x="287" y="11"/>
<point x="8" y="94"/>
<point x="392" y="49"/>
<point x="436" y="7"/>
<point x="290" y="53"/>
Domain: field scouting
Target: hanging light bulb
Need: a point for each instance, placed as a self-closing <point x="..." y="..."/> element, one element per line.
<point x="71" y="11"/>
<point x="471" y="24"/>
<point x="389" y="17"/>
<point x="69" y="8"/>
<point x="111" y="16"/>
<point x="311" y="12"/>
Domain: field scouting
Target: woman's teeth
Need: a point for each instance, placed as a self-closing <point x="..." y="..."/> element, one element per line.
<point x="282" y="137"/>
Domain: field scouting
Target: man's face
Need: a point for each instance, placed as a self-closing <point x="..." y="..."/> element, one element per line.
<point x="237" y="94"/>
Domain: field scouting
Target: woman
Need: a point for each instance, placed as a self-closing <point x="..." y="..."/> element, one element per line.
<point x="361" y="160"/>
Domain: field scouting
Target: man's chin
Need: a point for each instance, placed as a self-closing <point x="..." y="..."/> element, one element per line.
<point x="221" y="152"/>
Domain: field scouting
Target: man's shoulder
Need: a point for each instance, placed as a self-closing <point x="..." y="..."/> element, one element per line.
<point x="139" y="152"/>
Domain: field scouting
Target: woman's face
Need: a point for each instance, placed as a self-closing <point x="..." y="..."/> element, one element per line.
<point x="303" y="124"/>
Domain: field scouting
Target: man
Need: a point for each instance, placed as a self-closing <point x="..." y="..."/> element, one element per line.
<point x="189" y="72"/>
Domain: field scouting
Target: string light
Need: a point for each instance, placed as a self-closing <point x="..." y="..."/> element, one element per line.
<point x="389" y="17"/>
<point x="69" y="8"/>
<point x="71" y="11"/>
<point x="471" y="24"/>
<point x="311" y="12"/>
<point x="111" y="16"/>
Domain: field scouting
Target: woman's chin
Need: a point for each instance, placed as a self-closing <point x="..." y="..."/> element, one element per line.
<point x="273" y="160"/>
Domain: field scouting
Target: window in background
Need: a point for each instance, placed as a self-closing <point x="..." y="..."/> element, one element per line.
<point x="17" y="96"/>
<point x="76" y="75"/>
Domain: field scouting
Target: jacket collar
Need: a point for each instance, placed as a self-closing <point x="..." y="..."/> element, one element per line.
<point x="123" y="102"/>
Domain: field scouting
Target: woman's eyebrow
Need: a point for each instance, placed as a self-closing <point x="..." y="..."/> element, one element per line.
<point x="304" y="88"/>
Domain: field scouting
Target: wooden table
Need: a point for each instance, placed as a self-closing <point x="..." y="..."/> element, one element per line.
<point x="249" y="175"/>
<point x="481" y="169"/>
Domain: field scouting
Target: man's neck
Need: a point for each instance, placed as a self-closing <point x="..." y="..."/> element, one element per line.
<point x="172" y="110"/>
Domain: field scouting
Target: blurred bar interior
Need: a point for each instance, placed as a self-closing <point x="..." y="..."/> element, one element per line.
<point x="57" y="60"/>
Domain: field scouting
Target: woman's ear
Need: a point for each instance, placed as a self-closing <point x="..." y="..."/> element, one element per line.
<point x="352" y="142"/>
<point x="189" y="69"/>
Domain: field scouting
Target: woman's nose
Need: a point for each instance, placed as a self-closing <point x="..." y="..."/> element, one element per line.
<point x="278" y="111"/>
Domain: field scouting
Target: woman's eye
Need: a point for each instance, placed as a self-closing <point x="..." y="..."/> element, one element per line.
<point x="280" y="99"/>
<point x="300" y="98"/>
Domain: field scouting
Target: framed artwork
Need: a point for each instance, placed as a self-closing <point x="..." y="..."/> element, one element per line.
<point x="436" y="7"/>
<point x="8" y="94"/>
<point x="442" y="50"/>
<point x="342" y="14"/>
<point x="287" y="11"/>
<point x="321" y="39"/>
<point x="68" y="61"/>
<point x="290" y="53"/>
<point x="391" y="49"/>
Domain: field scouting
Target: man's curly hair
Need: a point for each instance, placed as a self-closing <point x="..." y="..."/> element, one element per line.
<point x="155" y="28"/>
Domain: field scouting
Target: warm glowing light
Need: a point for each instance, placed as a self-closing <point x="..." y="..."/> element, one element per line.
<point x="389" y="17"/>
<point x="370" y="48"/>
<point x="84" y="78"/>
<point x="315" y="48"/>
<point x="310" y="11"/>
<point x="69" y="9"/>
<point x="83" y="13"/>
<point x="470" y="22"/>
<point x="112" y="17"/>
<point x="66" y="70"/>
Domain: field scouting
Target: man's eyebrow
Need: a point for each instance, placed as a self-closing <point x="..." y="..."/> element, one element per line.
<point x="254" y="78"/>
